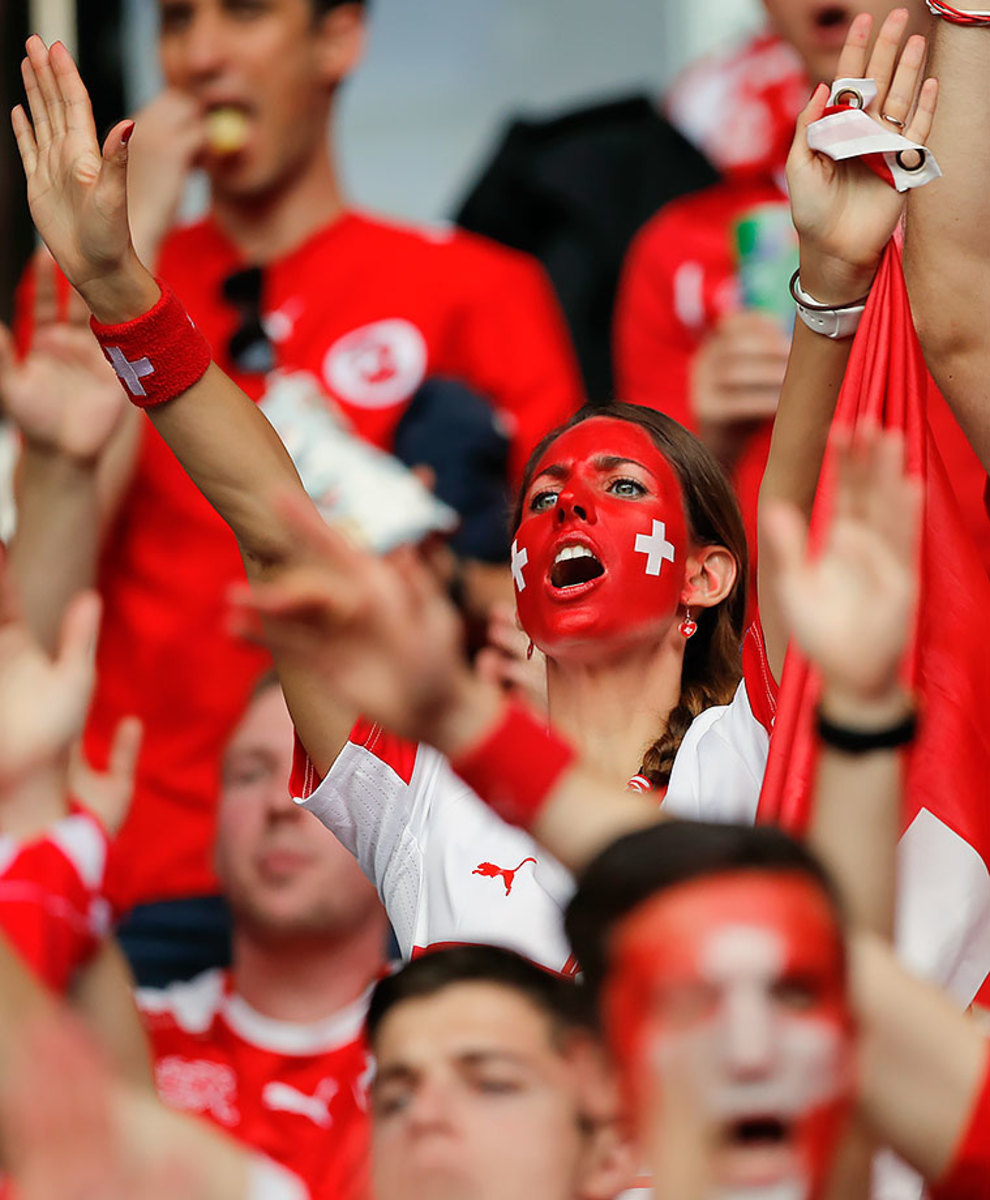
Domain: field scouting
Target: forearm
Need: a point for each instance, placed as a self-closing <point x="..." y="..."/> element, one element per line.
<point x="102" y="993"/>
<point x="947" y="249"/>
<point x="922" y="1061"/>
<point x="855" y="820"/>
<point x="222" y="440"/>
<point x="53" y="553"/>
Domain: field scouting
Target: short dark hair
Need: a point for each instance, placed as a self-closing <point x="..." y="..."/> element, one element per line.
<point x="324" y="6"/>
<point x="641" y="864"/>
<point x="561" y="1000"/>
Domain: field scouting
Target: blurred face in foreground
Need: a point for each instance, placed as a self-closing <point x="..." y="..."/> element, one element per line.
<point x="477" y="1097"/>
<point x="817" y="28"/>
<point x="739" y="979"/>
<point x="283" y="874"/>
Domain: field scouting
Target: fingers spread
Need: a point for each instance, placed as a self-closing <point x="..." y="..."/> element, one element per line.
<point x="27" y="147"/>
<point x="852" y="60"/>
<point x="883" y="60"/>
<point x="919" y="127"/>
<point x="77" y="110"/>
<point x="40" y="59"/>
<point x="900" y="98"/>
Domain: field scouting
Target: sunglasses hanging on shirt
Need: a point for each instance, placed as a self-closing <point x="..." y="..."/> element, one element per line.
<point x="250" y="348"/>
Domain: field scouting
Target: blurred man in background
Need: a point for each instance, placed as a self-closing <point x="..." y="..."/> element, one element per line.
<point x="272" y="1050"/>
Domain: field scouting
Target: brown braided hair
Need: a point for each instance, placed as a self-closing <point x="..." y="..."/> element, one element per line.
<point x="712" y="659"/>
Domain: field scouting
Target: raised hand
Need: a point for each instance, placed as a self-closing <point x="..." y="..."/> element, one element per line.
<point x="851" y="606"/>
<point x="843" y="212"/>
<point x="43" y="700"/>
<point x="379" y="632"/>
<point x="78" y="194"/>
<point x="64" y="395"/>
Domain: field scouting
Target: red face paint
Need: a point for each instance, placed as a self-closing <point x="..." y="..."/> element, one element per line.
<point x="599" y="553"/>
<point x="742" y="977"/>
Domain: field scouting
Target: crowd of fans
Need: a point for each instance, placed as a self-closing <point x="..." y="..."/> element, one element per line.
<point x="645" y="728"/>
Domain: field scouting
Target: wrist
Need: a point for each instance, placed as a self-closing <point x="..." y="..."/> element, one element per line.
<point x="835" y="281"/>
<point x="123" y="295"/>
<point x="866" y="712"/>
<point x="467" y="716"/>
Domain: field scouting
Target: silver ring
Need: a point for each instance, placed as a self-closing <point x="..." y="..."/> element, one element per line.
<point x="893" y="121"/>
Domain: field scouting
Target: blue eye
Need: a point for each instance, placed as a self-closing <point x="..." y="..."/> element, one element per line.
<point x="542" y="501"/>
<point x="627" y="487"/>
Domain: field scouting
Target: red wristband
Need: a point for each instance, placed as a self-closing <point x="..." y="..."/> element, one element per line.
<point x="516" y="767"/>
<point x="957" y="16"/>
<point x="52" y="909"/>
<point x="158" y="355"/>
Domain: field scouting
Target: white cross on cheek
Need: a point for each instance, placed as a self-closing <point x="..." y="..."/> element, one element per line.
<point x="656" y="547"/>
<point x="130" y="373"/>
<point x="519" y="559"/>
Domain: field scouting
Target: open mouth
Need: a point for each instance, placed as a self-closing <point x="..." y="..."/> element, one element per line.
<point x="832" y="16"/>
<point x="756" y="1151"/>
<point x="573" y="566"/>
<point x="758" y="1131"/>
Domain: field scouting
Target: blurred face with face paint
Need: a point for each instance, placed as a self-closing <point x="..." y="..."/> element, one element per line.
<point x="741" y="977"/>
<point x="600" y="551"/>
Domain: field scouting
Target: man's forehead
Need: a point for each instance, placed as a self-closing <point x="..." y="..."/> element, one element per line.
<point x="731" y="952"/>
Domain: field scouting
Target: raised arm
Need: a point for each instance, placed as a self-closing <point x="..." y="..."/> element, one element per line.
<point x="844" y="215"/>
<point x="947" y="246"/>
<point x="851" y="608"/>
<point x="78" y="200"/>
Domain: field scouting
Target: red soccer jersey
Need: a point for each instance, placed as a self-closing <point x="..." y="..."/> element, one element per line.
<point x="296" y="1093"/>
<point x="370" y="309"/>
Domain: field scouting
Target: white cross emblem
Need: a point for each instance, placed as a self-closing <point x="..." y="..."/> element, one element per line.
<point x="130" y="373"/>
<point x="656" y="547"/>
<point x="519" y="559"/>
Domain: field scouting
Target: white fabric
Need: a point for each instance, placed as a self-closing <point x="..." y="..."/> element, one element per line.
<point x="425" y="843"/>
<point x="852" y="134"/>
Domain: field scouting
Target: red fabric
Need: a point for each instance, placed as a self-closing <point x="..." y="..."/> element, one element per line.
<point x="438" y="303"/>
<point x="949" y="663"/>
<point x="51" y="906"/>
<point x="157" y="356"/>
<point x="517" y="766"/>
<point x="302" y="1103"/>
<point x="968" y="1177"/>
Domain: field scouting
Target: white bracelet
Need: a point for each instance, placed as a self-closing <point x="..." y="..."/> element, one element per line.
<point x="841" y="321"/>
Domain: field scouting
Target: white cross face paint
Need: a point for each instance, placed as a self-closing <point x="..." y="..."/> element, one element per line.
<point x="519" y="559"/>
<point x="656" y="548"/>
<point x="739" y="978"/>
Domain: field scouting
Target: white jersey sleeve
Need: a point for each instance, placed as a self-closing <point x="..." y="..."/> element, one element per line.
<point x="376" y="800"/>
<point x="718" y="771"/>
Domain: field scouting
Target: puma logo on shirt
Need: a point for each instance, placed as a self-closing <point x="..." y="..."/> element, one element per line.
<point x="508" y="877"/>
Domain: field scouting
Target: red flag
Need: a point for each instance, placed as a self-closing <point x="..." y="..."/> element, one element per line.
<point x="944" y="883"/>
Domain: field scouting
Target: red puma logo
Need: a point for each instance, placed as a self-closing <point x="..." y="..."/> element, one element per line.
<point x="492" y="872"/>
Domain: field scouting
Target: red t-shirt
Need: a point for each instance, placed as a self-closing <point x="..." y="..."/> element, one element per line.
<point x="371" y="309"/>
<point x="296" y="1093"/>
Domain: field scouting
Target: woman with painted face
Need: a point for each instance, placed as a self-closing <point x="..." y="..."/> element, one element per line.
<point x="628" y="561"/>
